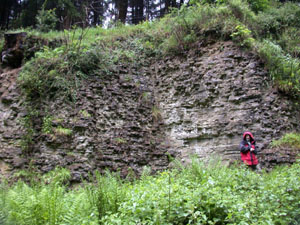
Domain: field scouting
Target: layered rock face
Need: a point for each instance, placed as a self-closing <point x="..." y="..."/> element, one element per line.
<point x="110" y="126"/>
<point x="200" y="103"/>
<point x="216" y="93"/>
<point x="10" y="129"/>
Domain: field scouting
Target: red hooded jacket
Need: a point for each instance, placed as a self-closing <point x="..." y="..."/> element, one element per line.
<point x="248" y="157"/>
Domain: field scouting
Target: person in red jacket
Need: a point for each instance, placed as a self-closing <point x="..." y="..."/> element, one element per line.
<point x="249" y="150"/>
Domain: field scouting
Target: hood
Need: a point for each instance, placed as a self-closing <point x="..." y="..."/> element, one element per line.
<point x="251" y="136"/>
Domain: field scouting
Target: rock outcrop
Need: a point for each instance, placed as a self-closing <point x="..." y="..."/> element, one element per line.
<point x="200" y="103"/>
<point x="279" y="156"/>
<point x="13" y="50"/>
<point x="111" y="126"/>
<point x="20" y="47"/>
<point x="212" y="96"/>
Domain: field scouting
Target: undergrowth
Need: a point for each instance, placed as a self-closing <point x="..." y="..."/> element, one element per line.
<point x="197" y="194"/>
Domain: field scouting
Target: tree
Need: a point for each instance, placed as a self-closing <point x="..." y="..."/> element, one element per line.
<point x="97" y="9"/>
<point x="121" y="8"/>
<point x="137" y="11"/>
<point x="23" y="13"/>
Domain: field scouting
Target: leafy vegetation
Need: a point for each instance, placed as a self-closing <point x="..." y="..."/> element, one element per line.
<point x="291" y="140"/>
<point x="271" y="30"/>
<point x="1" y="42"/>
<point x="284" y="69"/>
<point x="46" y="20"/>
<point x="63" y="131"/>
<point x="197" y="194"/>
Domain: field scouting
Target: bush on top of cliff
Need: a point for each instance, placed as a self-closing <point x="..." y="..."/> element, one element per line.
<point x="58" y="72"/>
<point x="256" y="5"/>
<point x="284" y="69"/>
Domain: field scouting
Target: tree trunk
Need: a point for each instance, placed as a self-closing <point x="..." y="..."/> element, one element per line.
<point x="98" y="10"/>
<point x="122" y="6"/>
<point x="140" y="11"/>
<point x="167" y="5"/>
<point x="6" y="6"/>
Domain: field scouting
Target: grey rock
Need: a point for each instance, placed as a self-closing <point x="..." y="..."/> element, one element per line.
<point x="197" y="104"/>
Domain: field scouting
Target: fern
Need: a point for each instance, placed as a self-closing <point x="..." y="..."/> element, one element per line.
<point x="37" y="204"/>
<point x="2" y="203"/>
<point x="18" y="203"/>
<point x="78" y="210"/>
<point x="73" y="210"/>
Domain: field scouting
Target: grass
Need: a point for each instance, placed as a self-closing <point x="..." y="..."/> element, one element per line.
<point x="63" y="131"/>
<point x="291" y="140"/>
<point x="156" y="113"/>
<point x="1" y="43"/>
<point x="84" y="113"/>
<point x="283" y="68"/>
<point x="196" y="194"/>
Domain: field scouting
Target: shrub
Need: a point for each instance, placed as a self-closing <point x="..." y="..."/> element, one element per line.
<point x="243" y="36"/>
<point x="284" y="70"/>
<point x="43" y="74"/>
<point x="241" y="10"/>
<point x="275" y="20"/>
<point x="290" y="41"/>
<point x="46" y="20"/>
<point x="259" y="5"/>
<point x="291" y="140"/>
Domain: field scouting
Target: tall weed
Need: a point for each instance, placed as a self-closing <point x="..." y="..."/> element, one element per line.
<point x="284" y="70"/>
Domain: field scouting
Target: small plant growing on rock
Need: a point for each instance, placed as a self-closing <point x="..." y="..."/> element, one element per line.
<point x="63" y="131"/>
<point x="120" y="140"/>
<point x="146" y="96"/>
<point x="26" y="142"/>
<point x="85" y="114"/>
<point x="243" y="36"/>
<point x="47" y="125"/>
<point x="156" y="113"/>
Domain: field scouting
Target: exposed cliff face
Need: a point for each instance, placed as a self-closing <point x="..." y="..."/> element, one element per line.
<point x="197" y="104"/>
<point x="110" y="126"/>
<point x="215" y="94"/>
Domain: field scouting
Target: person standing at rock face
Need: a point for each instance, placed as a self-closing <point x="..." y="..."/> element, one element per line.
<point x="248" y="150"/>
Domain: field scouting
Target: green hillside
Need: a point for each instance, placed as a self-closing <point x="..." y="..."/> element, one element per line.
<point x="198" y="193"/>
<point x="268" y="28"/>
